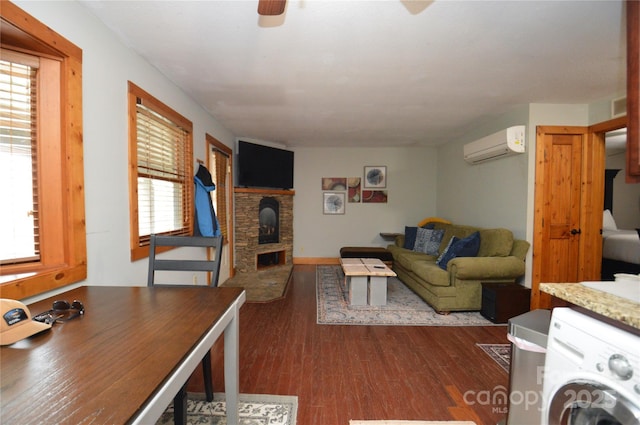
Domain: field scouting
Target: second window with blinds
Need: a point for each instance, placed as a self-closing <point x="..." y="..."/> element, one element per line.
<point x="160" y="163"/>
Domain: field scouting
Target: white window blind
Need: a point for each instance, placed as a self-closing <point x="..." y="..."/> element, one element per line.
<point x="162" y="175"/>
<point x="220" y="172"/>
<point x="19" y="224"/>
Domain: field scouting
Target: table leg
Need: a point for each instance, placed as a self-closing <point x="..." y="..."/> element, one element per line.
<point x="206" y="371"/>
<point x="231" y="367"/>
<point x="180" y="406"/>
<point x="378" y="290"/>
<point x="358" y="290"/>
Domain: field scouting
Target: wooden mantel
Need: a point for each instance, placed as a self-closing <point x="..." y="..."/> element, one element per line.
<point x="264" y="191"/>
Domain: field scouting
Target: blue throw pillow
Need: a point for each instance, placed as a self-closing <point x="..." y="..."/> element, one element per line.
<point x="446" y="254"/>
<point x="410" y="237"/>
<point x="428" y="241"/>
<point x="467" y="247"/>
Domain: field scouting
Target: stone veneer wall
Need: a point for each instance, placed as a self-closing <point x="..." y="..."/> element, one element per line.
<point x="247" y="248"/>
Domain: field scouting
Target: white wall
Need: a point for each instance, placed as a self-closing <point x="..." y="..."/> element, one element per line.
<point x="490" y="194"/>
<point x="499" y="193"/>
<point x="411" y="188"/>
<point x="107" y="66"/>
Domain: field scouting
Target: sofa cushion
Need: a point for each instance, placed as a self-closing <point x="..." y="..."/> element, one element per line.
<point x="430" y="272"/>
<point x="451" y="230"/>
<point x="428" y="241"/>
<point x="465" y="247"/>
<point x="495" y="243"/>
<point x="410" y="237"/>
<point x="407" y="258"/>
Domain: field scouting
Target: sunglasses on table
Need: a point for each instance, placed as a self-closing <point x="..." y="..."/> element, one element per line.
<point x="62" y="311"/>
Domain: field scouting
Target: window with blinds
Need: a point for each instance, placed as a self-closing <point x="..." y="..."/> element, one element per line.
<point x="220" y="169"/>
<point x="18" y="159"/>
<point x="42" y="217"/>
<point x="161" y="155"/>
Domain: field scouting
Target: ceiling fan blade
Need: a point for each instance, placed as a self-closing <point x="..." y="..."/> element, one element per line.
<point x="271" y="7"/>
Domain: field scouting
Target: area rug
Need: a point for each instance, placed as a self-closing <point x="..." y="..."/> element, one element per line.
<point x="404" y="307"/>
<point x="254" y="409"/>
<point x="411" y="423"/>
<point x="265" y="285"/>
<point x="500" y="353"/>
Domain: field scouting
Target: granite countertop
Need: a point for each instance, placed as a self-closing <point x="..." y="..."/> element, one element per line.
<point x="605" y="304"/>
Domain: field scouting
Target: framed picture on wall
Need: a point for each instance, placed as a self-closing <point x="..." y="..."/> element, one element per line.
<point x="374" y="196"/>
<point x="353" y="191"/>
<point x="333" y="202"/>
<point x="375" y="177"/>
<point x="334" y="183"/>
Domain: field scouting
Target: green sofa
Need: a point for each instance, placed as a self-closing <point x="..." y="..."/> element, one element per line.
<point x="500" y="258"/>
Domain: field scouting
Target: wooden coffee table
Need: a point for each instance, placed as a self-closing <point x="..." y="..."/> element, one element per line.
<point x="366" y="280"/>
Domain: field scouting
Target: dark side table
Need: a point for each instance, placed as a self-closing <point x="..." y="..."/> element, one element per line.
<point x="502" y="301"/>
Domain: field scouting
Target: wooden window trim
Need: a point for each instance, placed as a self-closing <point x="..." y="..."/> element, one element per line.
<point x="221" y="192"/>
<point x="63" y="237"/>
<point x="139" y="248"/>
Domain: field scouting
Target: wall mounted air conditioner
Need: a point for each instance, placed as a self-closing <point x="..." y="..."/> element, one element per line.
<point x="507" y="142"/>
<point x="619" y="107"/>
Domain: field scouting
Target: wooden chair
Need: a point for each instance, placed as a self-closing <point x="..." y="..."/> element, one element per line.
<point x="211" y="266"/>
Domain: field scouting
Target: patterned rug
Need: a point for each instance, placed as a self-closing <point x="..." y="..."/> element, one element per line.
<point x="500" y="353"/>
<point x="254" y="409"/>
<point x="404" y="307"/>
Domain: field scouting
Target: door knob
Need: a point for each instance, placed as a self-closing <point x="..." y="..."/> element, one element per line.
<point x="575" y="231"/>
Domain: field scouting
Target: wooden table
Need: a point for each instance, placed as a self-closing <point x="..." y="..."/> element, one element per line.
<point x="366" y="280"/>
<point x="124" y="360"/>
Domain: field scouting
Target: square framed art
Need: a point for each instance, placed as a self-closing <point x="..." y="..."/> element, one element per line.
<point x="333" y="203"/>
<point x="375" y="176"/>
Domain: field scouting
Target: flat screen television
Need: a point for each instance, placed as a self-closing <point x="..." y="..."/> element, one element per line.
<point x="264" y="166"/>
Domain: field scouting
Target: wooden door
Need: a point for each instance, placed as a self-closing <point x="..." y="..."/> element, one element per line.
<point x="558" y="204"/>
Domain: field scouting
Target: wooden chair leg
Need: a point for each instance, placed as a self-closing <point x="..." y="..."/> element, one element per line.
<point x="208" y="379"/>
<point x="180" y="406"/>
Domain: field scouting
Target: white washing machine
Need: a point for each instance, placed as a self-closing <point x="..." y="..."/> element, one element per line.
<point x="591" y="374"/>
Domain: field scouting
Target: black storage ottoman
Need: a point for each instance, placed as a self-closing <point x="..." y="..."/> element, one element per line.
<point x="502" y="301"/>
<point x="367" y="252"/>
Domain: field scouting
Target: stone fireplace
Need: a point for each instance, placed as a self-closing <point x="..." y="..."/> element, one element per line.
<point x="263" y="228"/>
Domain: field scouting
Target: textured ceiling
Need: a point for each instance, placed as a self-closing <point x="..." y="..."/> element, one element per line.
<point x="375" y="73"/>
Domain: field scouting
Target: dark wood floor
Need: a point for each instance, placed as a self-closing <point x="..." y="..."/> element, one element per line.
<point x="363" y="372"/>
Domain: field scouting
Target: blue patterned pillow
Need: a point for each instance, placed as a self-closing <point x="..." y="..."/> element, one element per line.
<point x="428" y="241"/>
<point x="467" y="247"/>
<point x="410" y="237"/>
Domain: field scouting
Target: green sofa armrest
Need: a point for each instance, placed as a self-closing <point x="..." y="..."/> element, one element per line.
<point x="484" y="268"/>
